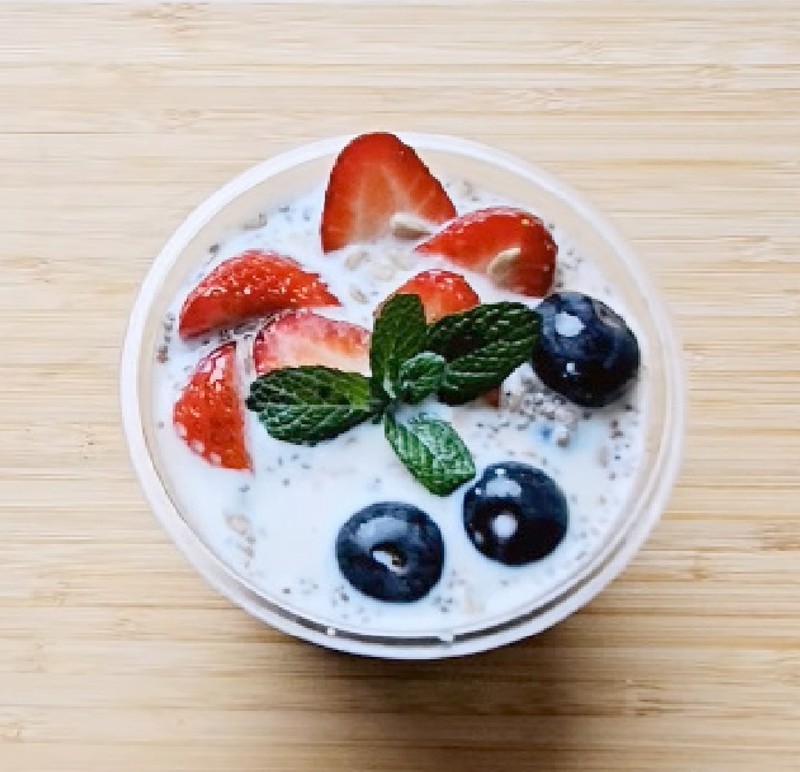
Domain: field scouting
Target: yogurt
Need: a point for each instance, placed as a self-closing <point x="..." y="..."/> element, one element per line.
<point x="277" y="526"/>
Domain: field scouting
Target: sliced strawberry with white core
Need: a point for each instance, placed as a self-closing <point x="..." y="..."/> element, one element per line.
<point x="375" y="177"/>
<point x="209" y="414"/>
<point x="441" y="292"/>
<point x="297" y="338"/>
<point x="255" y="283"/>
<point x="511" y="246"/>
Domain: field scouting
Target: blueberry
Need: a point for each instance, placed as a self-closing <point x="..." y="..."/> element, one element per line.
<point x="391" y="551"/>
<point x="586" y="351"/>
<point x="515" y="514"/>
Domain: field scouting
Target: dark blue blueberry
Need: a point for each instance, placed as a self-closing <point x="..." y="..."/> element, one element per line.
<point x="391" y="551"/>
<point x="586" y="351"/>
<point x="515" y="514"/>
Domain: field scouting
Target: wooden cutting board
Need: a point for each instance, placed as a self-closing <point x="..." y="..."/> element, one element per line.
<point x="679" y="119"/>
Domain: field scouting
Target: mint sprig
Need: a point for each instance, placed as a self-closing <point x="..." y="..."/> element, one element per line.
<point x="457" y="359"/>
<point x="399" y="334"/>
<point x="420" y="376"/>
<point x="305" y="405"/>
<point x="432" y="451"/>
<point x="482" y="347"/>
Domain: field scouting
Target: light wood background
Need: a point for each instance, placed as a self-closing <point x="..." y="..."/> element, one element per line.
<point x="679" y="119"/>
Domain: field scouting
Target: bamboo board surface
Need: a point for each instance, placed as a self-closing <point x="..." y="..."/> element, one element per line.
<point x="679" y="119"/>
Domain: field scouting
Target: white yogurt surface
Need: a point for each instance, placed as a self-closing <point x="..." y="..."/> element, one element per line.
<point x="277" y="527"/>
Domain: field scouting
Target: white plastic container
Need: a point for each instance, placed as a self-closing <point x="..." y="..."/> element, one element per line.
<point x="278" y="180"/>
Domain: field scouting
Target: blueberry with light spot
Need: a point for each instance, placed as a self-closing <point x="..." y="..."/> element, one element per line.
<point x="515" y="514"/>
<point x="586" y="352"/>
<point x="391" y="551"/>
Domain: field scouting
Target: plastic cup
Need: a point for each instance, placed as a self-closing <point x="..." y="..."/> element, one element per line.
<point x="277" y="181"/>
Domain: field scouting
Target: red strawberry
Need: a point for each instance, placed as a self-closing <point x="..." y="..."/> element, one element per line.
<point x="492" y="397"/>
<point x="297" y="338"/>
<point x="253" y="284"/>
<point x="375" y="177"/>
<point x="209" y="414"/>
<point x="441" y="293"/>
<point x="511" y="246"/>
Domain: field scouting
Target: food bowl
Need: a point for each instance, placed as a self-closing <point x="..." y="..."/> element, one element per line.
<point x="290" y="174"/>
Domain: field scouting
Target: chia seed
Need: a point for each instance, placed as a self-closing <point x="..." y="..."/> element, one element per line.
<point x="259" y="221"/>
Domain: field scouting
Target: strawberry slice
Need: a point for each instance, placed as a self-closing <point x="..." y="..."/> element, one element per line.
<point x="441" y="293"/>
<point x="297" y="338"/>
<point x="209" y="414"/>
<point x="511" y="246"/>
<point x="492" y="397"/>
<point x="255" y="283"/>
<point x="375" y="177"/>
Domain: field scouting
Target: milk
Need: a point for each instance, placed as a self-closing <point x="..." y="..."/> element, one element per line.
<point x="276" y="527"/>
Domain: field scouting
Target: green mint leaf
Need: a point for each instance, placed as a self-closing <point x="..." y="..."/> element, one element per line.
<point x="482" y="346"/>
<point x="419" y="377"/>
<point x="305" y="405"/>
<point x="398" y="334"/>
<point x="432" y="451"/>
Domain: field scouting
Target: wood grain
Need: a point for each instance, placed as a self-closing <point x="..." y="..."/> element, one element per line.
<point x="680" y="119"/>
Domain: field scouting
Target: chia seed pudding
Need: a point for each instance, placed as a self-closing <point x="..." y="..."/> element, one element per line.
<point x="277" y="524"/>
